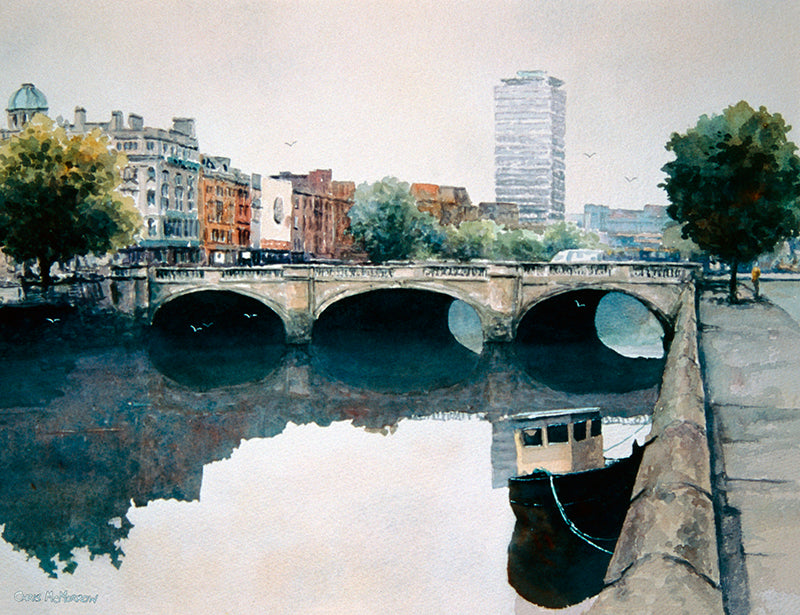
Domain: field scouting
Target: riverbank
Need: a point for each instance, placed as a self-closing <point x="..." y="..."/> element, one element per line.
<point x="750" y="354"/>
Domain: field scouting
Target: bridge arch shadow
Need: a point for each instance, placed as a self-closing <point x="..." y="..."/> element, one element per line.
<point x="391" y="340"/>
<point x="207" y="339"/>
<point x="594" y="339"/>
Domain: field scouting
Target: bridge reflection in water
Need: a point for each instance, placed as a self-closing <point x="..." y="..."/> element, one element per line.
<point x="77" y="452"/>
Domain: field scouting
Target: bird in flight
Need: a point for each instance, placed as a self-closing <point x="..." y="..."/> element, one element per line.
<point x="52" y="320"/>
<point x="579" y="304"/>
<point x="196" y="329"/>
<point x="290" y="143"/>
<point x="630" y="179"/>
<point x="589" y="155"/>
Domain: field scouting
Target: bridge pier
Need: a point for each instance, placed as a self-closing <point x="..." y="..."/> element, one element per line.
<point x="498" y="328"/>
<point x="299" y="325"/>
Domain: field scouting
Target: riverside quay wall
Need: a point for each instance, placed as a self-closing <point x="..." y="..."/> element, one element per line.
<point x="666" y="559"/>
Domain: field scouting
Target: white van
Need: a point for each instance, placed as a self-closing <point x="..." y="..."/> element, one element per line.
<point x="580" y="255"/>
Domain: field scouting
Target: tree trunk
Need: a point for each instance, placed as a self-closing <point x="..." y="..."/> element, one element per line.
<point x="732" y="282"/>
<point x="44" y="273"/>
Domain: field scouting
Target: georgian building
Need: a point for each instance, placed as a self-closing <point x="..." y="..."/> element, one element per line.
<point x="225" y="209"/>
<point x="319" y="214"/>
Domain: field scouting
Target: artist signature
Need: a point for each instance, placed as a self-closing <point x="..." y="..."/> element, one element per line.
<point x="55" y="597"/>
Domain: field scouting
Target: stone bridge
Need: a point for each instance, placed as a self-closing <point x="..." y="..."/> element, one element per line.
<point x="500" y="293"/>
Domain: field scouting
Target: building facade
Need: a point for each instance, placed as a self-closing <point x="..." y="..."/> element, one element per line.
<point x="448" y="204"/>
<point x="319" y="219"/>
<point x="225" y="209"/>
<point x="23" y="104"/>
<point x="530" y="125"/>
<point x="627" y="228"/>
<point x="272" y="222"/>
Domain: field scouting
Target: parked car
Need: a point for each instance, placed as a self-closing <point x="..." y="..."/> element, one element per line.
<point x="579" y="255"/>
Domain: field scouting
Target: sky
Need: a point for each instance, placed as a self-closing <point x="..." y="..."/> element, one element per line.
<point x="405" y="88"/>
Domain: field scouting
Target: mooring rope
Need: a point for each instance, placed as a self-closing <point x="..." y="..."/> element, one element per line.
<point x="571" y="525"/>
<point x="625" y="439"/>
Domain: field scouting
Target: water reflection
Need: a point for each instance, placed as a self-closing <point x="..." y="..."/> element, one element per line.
<point x="131" y="420"/>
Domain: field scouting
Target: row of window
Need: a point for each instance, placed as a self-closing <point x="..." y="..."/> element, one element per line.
<point x="172" y="228"/>
<point x="559" y="433"/>
<point x="171" y="150"/>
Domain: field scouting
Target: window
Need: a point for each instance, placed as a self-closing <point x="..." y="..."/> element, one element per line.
<point x="532" y="437"/>
<point x="164" y="203"/>
<point x="557" y="433"/>
<point x="579" y="430"/>
<point x="178" y="179"/>
<point x="164" y="189"/>
<point x="151" y="174"/>
<point x="597" y="427"/>
<point x="152" y="228"/>
<point x="179" y="198"/>
<point x="151" y="145"/>
<point x="129" y="173"/>
<point x="151" y="198"/>
<point x="277" y="210"/>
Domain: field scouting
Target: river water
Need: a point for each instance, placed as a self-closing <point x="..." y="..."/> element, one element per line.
<point x="181" y="471"/>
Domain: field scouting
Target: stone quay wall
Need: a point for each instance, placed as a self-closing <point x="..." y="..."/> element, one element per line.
<point x="666" y="559"/>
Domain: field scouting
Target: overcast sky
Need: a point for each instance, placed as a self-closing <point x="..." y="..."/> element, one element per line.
<point x="405" y="88"/>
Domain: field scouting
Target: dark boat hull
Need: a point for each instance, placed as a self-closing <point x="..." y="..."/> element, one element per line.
<point x="556" y="562"/>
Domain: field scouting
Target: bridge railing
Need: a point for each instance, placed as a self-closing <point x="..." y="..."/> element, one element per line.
<point x="632" y="271"/>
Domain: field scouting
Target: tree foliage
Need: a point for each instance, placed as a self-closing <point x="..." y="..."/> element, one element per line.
<point x="471" y="240"/>
<point x="735" y="184"/>
<point x="58" y="198"/>
<point x="566" y="236"/>
<point x="385" y="221"/>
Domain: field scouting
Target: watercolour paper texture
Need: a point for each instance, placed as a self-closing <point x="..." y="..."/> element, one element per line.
<point x="368" y="471"/>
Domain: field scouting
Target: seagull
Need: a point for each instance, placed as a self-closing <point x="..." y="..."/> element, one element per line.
<point x="196" y="329"/>
<point x="207" y="324"/>
<point x="250" y="315"/>
<point x="52" y="319"/>
<point x="630" y="179"/>
<point x="589" y="155"/>
<point x="290" y="144"/>
<point x="579" y="304"/>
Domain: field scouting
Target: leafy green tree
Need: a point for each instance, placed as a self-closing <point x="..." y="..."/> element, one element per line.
<point x="735" y="184"/>
<point x="386" y="222"/>
<point x="566" y="236"/>
<point x="519" y="245"/>
<point x="472" y="239"/>
<point x="58" y="198"/>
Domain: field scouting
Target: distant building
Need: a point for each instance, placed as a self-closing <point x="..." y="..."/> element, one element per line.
<point x="448" y="204"/>
<point x="319" y="214"/>
<point x="23" y="104"/>
<point x="530" y="124"/>
<point x="272" y="225"/>
<point x="627" y="228"/>
<point x="504" y="214"/>
<point x="225" y="209"/>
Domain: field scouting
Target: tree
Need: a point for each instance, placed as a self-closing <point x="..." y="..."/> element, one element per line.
<point x="472" y="239"/>
<point x="566" y="236"/>
<point x="385" y="221"/>
<point x="58" y="198"/>
<point x="735" y="184"/>
<point x="519" y="245"/>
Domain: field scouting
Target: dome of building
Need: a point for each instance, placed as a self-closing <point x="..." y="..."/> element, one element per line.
<point x="27" y="98"/>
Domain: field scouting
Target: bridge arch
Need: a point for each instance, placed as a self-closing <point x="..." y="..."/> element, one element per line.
<point x="484" y="313"/>
<point x="183" y="293"/>
<point x="660" y="306"/>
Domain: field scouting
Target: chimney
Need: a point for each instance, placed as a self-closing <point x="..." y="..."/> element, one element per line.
<point x="135" y="122"/>
<point x="183" y="125"/>
<point x="116" y="120"/>
<point x="80" y="119"/>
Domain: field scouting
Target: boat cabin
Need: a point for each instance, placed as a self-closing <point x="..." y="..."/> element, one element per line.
<point x="559" y="442"/>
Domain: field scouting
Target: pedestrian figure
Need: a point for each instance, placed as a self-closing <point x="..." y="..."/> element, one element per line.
<point x="754" y="275"/>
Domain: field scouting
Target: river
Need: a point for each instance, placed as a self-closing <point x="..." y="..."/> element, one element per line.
<point x="165" y="471"/>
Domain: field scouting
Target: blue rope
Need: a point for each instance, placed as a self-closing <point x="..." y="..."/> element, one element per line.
<point x="569" y="523"/>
